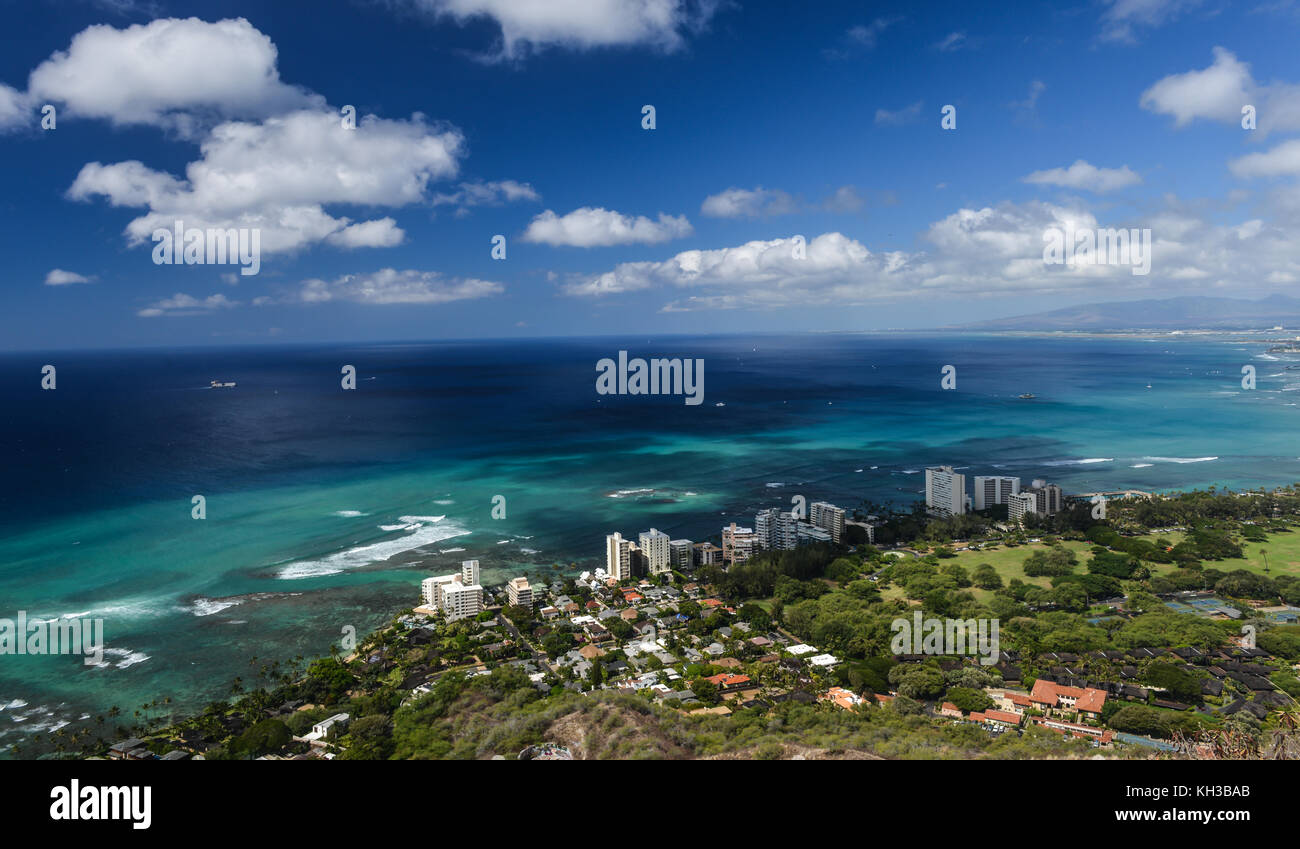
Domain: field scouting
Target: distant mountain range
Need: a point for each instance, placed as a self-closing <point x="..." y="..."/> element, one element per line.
<point x="1182" y="313"/>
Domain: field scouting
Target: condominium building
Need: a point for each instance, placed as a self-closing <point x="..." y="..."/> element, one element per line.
<point x="775" y="530"/>
<point x="945" y="491"/>
<point x="520" y="593"/>
<point x="618" y="556"/>
<point x="460" y="600"/>
<point x="829" y="517"/>
<point x="680" y="551"/>
<point x="737" y="544"/>
<point x="1020" y="503"/>
<point x="469" y="572"/>
<point x="1048" y="498"/>
<point x="654" y="543"/>
<point x="707" y="554"/>
<point x="994" y="489"/>
<point x="453" y="595"/>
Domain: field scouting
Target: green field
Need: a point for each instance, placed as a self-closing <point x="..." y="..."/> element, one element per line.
<point x="1283" y="555"/>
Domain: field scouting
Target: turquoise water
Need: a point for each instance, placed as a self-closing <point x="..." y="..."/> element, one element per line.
<point x="326" y="508"/>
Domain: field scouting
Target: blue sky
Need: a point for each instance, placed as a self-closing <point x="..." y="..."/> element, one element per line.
<point x="773" y="121"/>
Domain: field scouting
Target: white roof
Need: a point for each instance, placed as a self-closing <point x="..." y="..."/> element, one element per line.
<point x="824" y="660"/>
<point x="801" y="649"/>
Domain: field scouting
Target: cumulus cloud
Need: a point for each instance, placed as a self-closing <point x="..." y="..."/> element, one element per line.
<point x="1281" y="161"/>
<point x="581" y="24"/>
<point x="747" y="203"/>
<point x="1219" y="92"/>
<point x="59" y="277"/>
<point x="180" y="74"/>
<point x="906" y="115"/>
<point x="390" y="286"/>
<point x="591" y="227"/>
<point x="15" y="109"/>
<point x="277" y="175"/>
<point x="986" y="252"/>
<point x="1087" y="177"/>
<point x="181" y="304"/>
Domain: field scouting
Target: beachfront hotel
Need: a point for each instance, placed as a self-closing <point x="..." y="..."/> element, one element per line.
<point x="945" y="491"/>
<point x="994" y="489"/>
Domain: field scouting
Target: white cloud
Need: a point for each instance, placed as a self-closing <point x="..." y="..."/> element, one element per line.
<point x="987" y="252"/>
<point x="747" y="203"/>
<point x="903" y="116"/>
<point x="1122" y="17"/>
<point x="591" y="227"/>
<point x="533" y="24"/>
<point x="59" y="277"/>
<point x="952" y="41"/>
<point x="390" y="286"/>
<point x="491" y="193"/>
<point x="860" y="37"/>
<point x="278" y="175"/>
<point x="173" y="73"/>
<point x="1219" y="92"/>
<point x="15" y="109"/>
<point x="1084" y="176"/>
<point x="845" y="199"/>
<point x="181" y="304"/>
<point x="1036" y="89"/>
<point x="1281" y="161"/>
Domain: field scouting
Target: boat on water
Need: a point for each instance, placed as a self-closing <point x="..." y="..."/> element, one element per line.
<point x="217" y="384"/>
<point x="1028" y="395"/>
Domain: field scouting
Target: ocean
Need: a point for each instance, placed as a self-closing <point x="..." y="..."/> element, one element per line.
<point x="325" y="507"/>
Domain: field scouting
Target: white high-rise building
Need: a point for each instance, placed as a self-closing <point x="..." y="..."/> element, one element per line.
<point x="618" y="556"/>
<point x="452" y="595"/>
<point x="829" y="517"/>
<point x="1021" y="503"/>
<point x="520" y="592"/>
<point x="461" y="601"/>
<point x="945" y="491"/>
<point x="654" y="543"/>
<point x="680" y="550"/>
<point x="994" y="489"/>
<point x="469" y="573"/>
<point x="429" y="589"/>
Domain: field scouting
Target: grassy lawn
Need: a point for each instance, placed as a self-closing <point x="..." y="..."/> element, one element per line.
<point x="1009" y="563"/>
<point x="1283" y="555"/>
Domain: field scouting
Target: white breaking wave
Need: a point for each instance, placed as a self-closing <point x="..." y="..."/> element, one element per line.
<point x="449" y="550"/>
<point x="426" y="530"/>
<point x="347" y="514"/>
<point x="1140" y="466"/>
<point x="1084" y="462"/>
<point x="1180" y="459"/>
<point x="209" y="606"/>
<point x="128" y="658"/>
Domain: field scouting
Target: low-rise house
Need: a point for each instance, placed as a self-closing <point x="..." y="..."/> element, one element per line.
<point x="950" y="709"/>
<point x="841" y="697"/>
